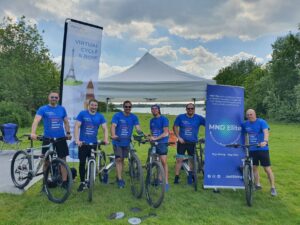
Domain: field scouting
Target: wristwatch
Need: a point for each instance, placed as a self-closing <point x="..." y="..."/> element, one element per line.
<point x="68" y="133"/>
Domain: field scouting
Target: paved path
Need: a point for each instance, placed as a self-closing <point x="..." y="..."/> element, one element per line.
<point x="6" y="184"/>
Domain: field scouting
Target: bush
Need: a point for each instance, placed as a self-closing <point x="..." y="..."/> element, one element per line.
<point x="12" y="112"/>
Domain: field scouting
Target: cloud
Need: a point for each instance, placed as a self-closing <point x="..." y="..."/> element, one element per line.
<point x="165" y="52"/>
<point x="107" y="70"/>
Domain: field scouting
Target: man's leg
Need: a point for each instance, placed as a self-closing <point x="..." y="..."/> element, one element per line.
<point x="270" y="176"/>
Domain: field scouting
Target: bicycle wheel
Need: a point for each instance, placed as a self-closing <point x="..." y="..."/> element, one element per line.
<point x="200" y="161"/>
<point x="195" y="171"/>
<point x="57" y="188"/>
<point x="155" y="184"/>
<point x="136" y="176"/>
<point x="248" y="181"/>
<point x="91" y="180"/>
<point x="20" y="169"/>
<point x="102" y="163"/>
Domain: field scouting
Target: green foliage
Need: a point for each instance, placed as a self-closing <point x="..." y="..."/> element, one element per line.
<point x="27" y="73"/>
<point x="103" y="106"/>
<point x="12" y="112"/>
<point x="236" y="73"/>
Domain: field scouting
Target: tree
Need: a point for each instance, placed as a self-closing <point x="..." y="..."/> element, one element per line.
<point x="27" y="73"/>
<point x="236" y="73"/>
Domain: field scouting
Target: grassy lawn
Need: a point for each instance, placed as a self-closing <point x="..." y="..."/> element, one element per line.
<point x="182" y="205"/>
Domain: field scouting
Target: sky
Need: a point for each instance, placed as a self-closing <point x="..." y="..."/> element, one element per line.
<point x="196" y="36"/>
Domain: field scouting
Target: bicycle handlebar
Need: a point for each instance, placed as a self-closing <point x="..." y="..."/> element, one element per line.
<point x="39" y="137"/>
<point x="236" y="145"/>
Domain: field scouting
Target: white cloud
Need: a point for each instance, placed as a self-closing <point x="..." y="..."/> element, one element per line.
<point x="107" y="70"/>
<point x="165" y="52"/>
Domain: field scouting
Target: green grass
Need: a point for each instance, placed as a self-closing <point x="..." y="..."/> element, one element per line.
<point x="182" y="205"/>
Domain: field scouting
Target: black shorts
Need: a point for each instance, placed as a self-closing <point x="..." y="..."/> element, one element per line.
<point x="60" y="146"/>
<point x="182" y="148"/>
<point x="121" y="151"/>
<point x="260" y="157"/>
<point x="85" y="152"/>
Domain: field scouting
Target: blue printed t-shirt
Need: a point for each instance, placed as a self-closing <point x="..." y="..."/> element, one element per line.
<point x="255" y="133"/>
<point x="189" y="126"/>
<point x="53" y="119"/>
<point x="157" y="125"/>
<point x="124" y="128"/>
<point x="89" y="126"/>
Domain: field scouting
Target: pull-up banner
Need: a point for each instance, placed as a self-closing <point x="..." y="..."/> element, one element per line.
<point x="224" y="116"/>
<point x="80" y="68"/>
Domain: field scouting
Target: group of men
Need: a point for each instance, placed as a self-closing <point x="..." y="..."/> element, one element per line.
<point x="186" y="128"/>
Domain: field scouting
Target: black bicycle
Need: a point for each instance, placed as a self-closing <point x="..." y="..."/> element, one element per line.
<point x="25" y="165"/>
<point x="248" y="175"/>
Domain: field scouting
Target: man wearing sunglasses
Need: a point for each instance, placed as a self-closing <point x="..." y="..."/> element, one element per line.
<point x="56" y="123"/>
<point x="122" y="125"/>
<point x="186" y="128"/>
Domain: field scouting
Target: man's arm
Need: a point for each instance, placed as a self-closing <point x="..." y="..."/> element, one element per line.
<point x="76" y="133"/>
<point x="105" y="131"/>
<point x="34" y="126"/>
<point x="113" y="131"/>
<point x="67" y="128"/>
<point x="266" y="138"/>
<point x="164" y="134"/>
<point x="176" y="132"/>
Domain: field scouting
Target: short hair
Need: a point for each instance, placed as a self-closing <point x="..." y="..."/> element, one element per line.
<point x="126" y="102"/>
<point x="156" y="106"/>
<point x="190" y="104"/>
<point x="93" y="100"/>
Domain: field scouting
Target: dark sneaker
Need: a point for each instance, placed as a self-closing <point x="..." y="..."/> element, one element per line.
<point x="105" y="178"/>
<point x="258" y="187"/>
<point x="176" y="180"/>
<point x="121" y="183"/>
<point x="273" y="192"/>
<point x="190" y="178"/>
<point x="81" y="187"/>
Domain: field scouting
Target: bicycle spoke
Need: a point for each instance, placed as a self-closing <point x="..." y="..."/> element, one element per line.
<point x="20" y="169"/>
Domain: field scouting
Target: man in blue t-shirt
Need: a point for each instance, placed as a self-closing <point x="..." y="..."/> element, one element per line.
<point x="55" y="122"/>
<point x="186" y="128"/>
<point x="86" y="131"/>
<point x="257" y="131"/>
<point x="159" y="127"/>
<point x="122" y="125"/>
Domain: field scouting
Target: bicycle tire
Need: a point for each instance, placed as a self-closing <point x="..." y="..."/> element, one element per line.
<point x="56" y="189"/>
<point x="195" y="171"/>
<point x="155" y="184"/>
<point x="248" y="181"/>
<point x="201" y="162"/>
<point x="20" y="165"/>
<point x="91" y="181"/>
<point x="102" y="163"/>
<point x="136" y="176"/>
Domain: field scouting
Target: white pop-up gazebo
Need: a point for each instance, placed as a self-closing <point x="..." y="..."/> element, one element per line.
<point x="152" y="80"/>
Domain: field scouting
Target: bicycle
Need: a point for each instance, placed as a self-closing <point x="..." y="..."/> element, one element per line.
<point x="248" y="175"/>
<point x="196" y="160"/>
<point x="23" y="170"/>
<point x="94" y="168"/>
<point x="135" y="171"/>
<point x="155" y="179"/>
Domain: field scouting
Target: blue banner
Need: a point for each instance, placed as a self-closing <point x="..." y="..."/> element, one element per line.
<point x="224" y="116"/>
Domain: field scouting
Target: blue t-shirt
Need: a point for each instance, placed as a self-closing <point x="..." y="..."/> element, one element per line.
<point x="53" y="119"/>
<point x="157" y="125"/>
<point x="124" y="128"/>
<point x="255" y="133"/>
<point x="189" y="126"/>
<point x="89" y="125"/>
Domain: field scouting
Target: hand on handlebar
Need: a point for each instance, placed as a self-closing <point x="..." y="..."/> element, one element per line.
<point x="114" y="137"/>
<point x="180" y="140"/>
<point x="263" y="144"/>
<point x="33" y="136"/>
<point x="79" y="143"/>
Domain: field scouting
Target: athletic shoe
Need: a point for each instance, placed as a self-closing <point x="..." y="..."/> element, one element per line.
<point x="121" y="183"/>
<point x="105" y="178"/>
<point x="81" y="187"/>
<point x="176" y="180"/>
<point x="258" y="187"/>
<point x="273" y="192"/>
<point x="190" y="178"/>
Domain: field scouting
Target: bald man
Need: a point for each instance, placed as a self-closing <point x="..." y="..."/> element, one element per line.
<point x="258" y="133"/>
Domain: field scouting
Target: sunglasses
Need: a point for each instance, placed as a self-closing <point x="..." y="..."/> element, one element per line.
<point x="127" y="107"/>
<point x="53" y="97"/>
<point x="190" y="108"/>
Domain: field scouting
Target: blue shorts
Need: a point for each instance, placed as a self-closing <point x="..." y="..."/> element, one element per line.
<point x="162" y="149"/>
